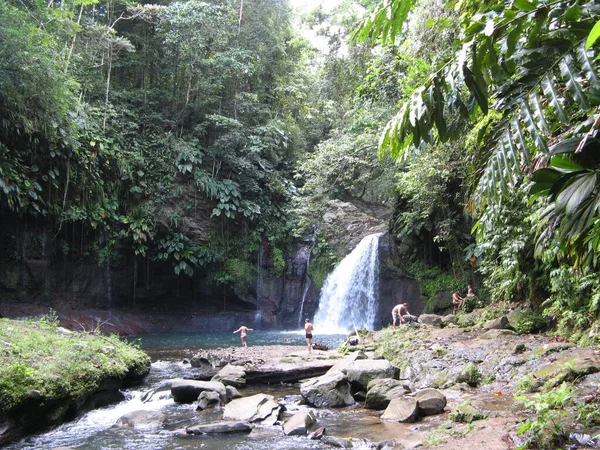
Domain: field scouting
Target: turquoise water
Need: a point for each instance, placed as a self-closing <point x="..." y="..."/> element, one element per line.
<point x="165" y="345"/>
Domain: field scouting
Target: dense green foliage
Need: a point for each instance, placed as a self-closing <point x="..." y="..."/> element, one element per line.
<point x="519" y="92"/>
<point x="59" y="367"/>
<point x="122" y="123"/>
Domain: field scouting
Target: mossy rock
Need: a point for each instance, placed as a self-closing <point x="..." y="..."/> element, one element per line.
<point x="466" y="413"/>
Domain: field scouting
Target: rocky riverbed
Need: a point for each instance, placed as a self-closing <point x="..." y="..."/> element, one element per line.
<point x="486" y="376"/>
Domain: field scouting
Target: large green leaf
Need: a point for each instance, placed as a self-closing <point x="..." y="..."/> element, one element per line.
<point x="565" y="164"/>
<point x="576" y="192"/>
<point x="477" y="89"/>
<point x="593" y="36"/>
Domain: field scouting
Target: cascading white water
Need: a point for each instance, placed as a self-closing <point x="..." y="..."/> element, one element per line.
<point x="349" y="295"/>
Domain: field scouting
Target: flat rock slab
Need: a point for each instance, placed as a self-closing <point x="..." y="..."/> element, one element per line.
<point x="255" y="408"/>
<point x="287" y="372"/>
<point x="219" y="427"/>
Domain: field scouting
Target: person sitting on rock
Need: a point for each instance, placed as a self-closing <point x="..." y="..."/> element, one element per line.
<point x="470" y="291"/>
<point x="457" y="301"/>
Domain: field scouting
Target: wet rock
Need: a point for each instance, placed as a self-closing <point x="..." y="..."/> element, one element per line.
<point x="256" y="408"/>
<point x="298" y="424"/>
<point x="232" y="376"/>
<point x="384" y="445"/>
<point x="188" y="391"/>
<point x="431" y="319"/>
<point x="361" y="372"/>
<point x="403" y="409"/>
<point x="331" y="390"/>
<point x="207" y="361"/>
<point x="231" y="393"/>
<point x="431" y="401"/>
<point x="496" y="324"/>
<point x="382" y="390"/>
<point x="317" y="434"/>
<point x="337" y="442"/>
<point x="141" y="420"/>
<point x="219" y="427"/>
<point x="153" y="395"/>
<point x="208" y="399"/>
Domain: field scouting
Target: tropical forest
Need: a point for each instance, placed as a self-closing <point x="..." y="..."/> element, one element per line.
<point x="187" y="166"/>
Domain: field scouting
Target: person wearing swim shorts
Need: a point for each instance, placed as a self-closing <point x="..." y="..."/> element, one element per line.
<point x="308" y="329"/>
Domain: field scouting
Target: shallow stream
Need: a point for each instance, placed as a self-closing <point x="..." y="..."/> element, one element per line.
<point x="96" y="429"/>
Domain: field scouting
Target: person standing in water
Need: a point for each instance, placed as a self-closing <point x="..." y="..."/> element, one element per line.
<point x="308" y="329"/>
<point x="242" y="330"/>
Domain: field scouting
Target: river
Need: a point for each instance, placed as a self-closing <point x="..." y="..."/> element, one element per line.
<point x="96" y="430"/>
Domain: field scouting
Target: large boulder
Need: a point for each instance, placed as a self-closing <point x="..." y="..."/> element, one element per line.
<point x="496" y="324"/>
<point x="219" y="427"/>
<point x="431" y="401"/>
<point x="382" y="390"/>
<point x="431" y="319"/>
<point x="141" y="420"/>
<point x="188" y="391"/>
<point x="361" y="372"/>
<point x="402" y="409"/>
<point x="256" y="408"/>
<point x="232" y="393"/>
<point x="331" y="390"/>
<point x="298" y="424"/>
<point x="232" y="376"/>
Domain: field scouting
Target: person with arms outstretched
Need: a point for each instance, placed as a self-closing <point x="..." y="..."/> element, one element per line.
<point x="242" y="330"/>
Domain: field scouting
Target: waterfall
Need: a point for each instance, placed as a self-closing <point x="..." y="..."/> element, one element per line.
<point x="305" y="290"/>
<point x="349" y="295"/>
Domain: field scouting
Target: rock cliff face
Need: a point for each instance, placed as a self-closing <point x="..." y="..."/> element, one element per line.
<point x="32" y="280"/>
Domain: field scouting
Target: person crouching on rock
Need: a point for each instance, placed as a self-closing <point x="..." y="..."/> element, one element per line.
<point x="457" y="301"/>
<point x="242" y="330"/>
<point x="308" y="329"/>
<point x="400" y="314"/>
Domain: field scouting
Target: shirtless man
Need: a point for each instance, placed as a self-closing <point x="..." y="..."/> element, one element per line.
<point x="399" y="310"/>
<point x="308" y="329"/>
<point x="457" y="301"/>
<point x="242" y="330"/>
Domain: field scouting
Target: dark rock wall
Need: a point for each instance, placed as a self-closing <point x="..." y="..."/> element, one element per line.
<point x="34" y="279"/>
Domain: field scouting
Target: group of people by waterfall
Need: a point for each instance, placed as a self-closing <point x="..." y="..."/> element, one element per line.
<point x="458" y="301"/>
